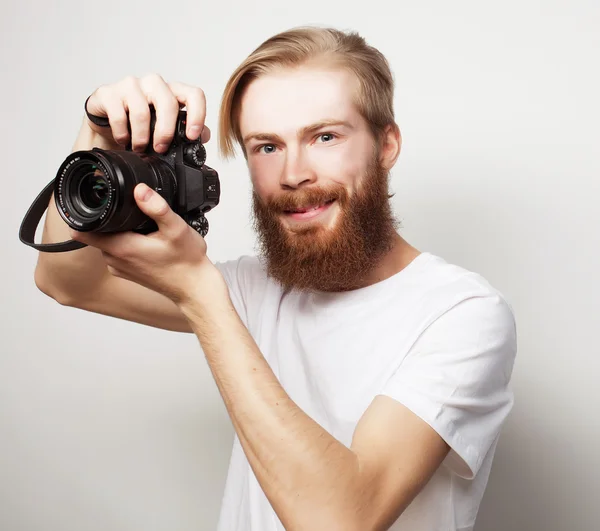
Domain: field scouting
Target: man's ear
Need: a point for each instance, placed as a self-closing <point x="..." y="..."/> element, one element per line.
<point x="391" y="145"/>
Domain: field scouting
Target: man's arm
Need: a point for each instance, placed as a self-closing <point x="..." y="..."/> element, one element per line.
<point x="81" y="278"/>
<point x="312" y="480"/>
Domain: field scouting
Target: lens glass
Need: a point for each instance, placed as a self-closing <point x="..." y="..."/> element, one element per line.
<point x="93" y="189"/>
<point x="88" y="189"/>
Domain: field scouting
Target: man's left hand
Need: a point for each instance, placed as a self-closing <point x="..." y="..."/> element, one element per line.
<point x="169" y="261"/>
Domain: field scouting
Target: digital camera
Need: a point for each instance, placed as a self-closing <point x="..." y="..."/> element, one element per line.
<point x="93" y="190"/>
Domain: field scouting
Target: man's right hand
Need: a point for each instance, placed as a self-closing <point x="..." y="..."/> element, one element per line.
<point x="129" y="100"/>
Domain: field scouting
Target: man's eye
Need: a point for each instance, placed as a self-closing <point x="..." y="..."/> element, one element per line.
<point x="266" y="148"/>
<point x="326" y="136"/>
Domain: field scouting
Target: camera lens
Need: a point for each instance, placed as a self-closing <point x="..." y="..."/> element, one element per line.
<point x="94" y="189"/>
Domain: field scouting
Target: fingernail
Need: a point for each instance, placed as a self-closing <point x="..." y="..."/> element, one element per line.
<point x="147" y="193"/>
<point x="195" y="130"/>
<point x="161" y="147"/>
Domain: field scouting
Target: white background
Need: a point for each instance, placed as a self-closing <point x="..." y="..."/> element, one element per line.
<point x="109" y="425"/>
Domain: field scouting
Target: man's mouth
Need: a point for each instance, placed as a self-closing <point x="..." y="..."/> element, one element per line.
<point x="310" y="211"/>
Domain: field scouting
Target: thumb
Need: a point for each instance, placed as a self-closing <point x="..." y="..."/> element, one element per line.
<point x="155" y="207"/>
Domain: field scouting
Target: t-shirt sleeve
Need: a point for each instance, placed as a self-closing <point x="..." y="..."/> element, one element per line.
<point x="456" y="378"/>
<point x="247" y="283"/>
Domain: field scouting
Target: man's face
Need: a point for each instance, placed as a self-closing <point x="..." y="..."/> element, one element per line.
<point x="320" y="202"/>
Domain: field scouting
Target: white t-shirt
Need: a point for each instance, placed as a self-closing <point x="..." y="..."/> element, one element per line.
<point x="436" y="337"/>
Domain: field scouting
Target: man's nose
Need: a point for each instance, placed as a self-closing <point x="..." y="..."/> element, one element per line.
<point x="297" y="170"/>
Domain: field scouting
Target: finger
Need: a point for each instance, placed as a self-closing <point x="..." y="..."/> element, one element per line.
<point x="167" y="109"/>
<point x="113" y="264"/>
<point x="117" y="245"/>
<point x="100" y="241"/>
<point x="155" y="207"/>
<point x="205" y="134"/>
<point x="136" y="103"/>
<point x="195" y="102"/>
<point x="105" y="102"/>
<point x="114" y="271"/>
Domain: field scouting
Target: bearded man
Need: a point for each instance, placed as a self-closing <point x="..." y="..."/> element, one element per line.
<point x="367" y="381"/>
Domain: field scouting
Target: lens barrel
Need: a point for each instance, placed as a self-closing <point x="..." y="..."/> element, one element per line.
<point x="93" y="190"/>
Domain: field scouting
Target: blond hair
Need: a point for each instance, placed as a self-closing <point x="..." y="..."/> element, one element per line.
<point x="299" y="46"/>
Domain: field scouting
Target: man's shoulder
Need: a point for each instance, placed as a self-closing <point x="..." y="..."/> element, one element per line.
<point x="247" y="282"/>
<point x="441" y="275"/>
<point x="246" y="276"/>
<point x="444" y="286"/>
<point x="242" y="265"/>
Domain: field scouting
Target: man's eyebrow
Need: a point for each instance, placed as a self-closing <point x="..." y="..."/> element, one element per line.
<point x="301" y="133"/>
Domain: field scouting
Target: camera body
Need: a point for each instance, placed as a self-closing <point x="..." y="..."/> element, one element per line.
<point x="93" y="189"/>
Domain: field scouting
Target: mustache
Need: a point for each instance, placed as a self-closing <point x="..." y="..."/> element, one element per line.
<point x="287" y="201"/>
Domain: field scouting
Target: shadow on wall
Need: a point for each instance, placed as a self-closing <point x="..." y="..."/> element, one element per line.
<point x="532" y="479"/>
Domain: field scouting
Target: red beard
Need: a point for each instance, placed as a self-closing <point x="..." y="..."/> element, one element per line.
<point x="318" y="258"/>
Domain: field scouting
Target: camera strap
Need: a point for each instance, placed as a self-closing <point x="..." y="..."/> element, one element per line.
<point x="32" y="220"/>
<point x="100" y="121"/>
<point x="39" y="206"/>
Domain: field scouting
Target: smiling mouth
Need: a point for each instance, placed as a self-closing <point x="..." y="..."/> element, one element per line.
<point x="304" y="210"/>
<point x="308" y="213"/>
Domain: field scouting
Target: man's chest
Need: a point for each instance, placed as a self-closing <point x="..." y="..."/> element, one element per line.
<point x="332" y="366"/>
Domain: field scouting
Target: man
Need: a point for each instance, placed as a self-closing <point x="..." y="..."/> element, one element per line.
<point x="367" y="381"/>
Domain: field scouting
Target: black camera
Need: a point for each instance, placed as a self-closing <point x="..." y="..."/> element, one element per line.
<point x="93" y="190"/>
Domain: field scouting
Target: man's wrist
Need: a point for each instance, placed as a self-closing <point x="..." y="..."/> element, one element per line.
<point x="205" y="288"/>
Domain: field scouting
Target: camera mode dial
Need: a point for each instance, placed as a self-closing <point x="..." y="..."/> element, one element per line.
<point x="195" y="154"/>
<point x="200" y="225"/>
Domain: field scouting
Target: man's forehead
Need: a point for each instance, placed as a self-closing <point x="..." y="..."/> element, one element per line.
<point x="294" y="99"/>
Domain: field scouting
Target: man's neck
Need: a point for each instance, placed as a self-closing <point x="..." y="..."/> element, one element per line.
<point x="400" y="255"/>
